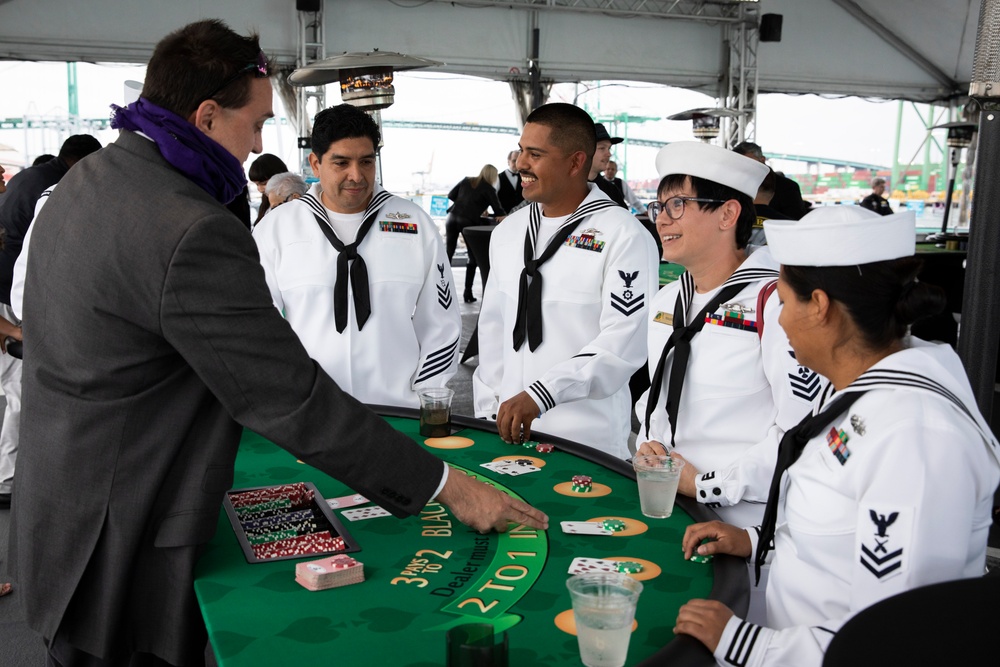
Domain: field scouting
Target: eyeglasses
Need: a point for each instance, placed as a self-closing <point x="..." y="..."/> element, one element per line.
<point x="674" y="207"/>
<point x="258" y="68"/>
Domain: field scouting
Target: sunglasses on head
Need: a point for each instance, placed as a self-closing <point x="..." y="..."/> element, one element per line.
<point x="259" y="69"/>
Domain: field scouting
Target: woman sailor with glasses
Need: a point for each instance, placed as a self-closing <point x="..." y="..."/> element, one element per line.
<point x="724" y="382"/>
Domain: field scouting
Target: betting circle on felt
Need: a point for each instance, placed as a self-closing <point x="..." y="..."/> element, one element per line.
<point x="449" y="442"/>
<point x="566" y="622"/>
<point x="535" y="461"/>
<point x="632" y="526"/>
<point x="597" y="490"/>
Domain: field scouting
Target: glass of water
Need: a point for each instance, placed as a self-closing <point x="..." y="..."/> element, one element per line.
<point x="603" y="608"/>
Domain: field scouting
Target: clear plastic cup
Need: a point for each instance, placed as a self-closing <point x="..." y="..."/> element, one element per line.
<point x="603" y="608"/>
<point x="658" y="477"/>
<point x="435" y="412"/>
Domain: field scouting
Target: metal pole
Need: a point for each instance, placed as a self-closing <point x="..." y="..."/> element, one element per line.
<point x="952" y="169"/>
<point x="977" y="342"/>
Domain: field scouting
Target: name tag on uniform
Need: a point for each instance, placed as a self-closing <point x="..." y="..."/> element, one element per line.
<point x="398" y="227"/>
<point x="664" y="318"/>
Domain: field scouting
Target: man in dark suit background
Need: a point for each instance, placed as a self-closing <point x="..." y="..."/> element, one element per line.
<point x="510" y="184"/>
<point x="787" y="198"/>
<point x="151" y="340"/>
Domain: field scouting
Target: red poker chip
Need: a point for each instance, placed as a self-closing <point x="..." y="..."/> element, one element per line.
<point x="544" y="448"/>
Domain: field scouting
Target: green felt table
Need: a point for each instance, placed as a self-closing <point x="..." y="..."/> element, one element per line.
<point x="427" y="573"/>
<point x="669" y="272"/>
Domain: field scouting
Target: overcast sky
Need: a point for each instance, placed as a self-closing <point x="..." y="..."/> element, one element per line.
<point x="848" y="128"/>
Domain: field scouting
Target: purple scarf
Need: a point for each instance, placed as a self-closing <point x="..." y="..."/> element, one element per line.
<point x="184" y="146"/>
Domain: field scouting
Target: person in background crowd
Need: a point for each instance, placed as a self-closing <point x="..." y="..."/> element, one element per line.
<point x="787" y="197"/>
<point x="762" y="207"/>
<point x="17" y="208"/>
<point x="558" y="355"/>
<point x="873" y="503"/>
<point x="261" y="171"/>
<point x="284" y="187"/>
<point x="156" y="344"/>
<point x="472" y="196"/>
<point x="611" y="175"/>
<point x="397" y="329"/>
<point x="42" y="159"/>
<point x="875" y="201"/>
<point x="602" y="154"/>
<point x="509" y="191"/>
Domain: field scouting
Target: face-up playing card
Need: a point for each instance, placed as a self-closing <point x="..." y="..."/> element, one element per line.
<point x="493" y="465"/>
<point x="515" y="469"/>
<point x="584" y="528"/>
<point x="364" y="513"/>
<point x="588" y="565"/>
<point x="346" y="501"/>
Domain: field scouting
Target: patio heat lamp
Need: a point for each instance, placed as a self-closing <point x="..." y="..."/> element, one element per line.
<point x="960" y="134"/>
<point x="706" y="123"/>
<point x="365" y="79"/>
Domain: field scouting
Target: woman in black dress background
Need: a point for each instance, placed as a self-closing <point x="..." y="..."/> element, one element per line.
<point x="472" y="196"/>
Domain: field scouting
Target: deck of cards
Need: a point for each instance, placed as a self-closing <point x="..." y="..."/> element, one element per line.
<point x="319" y="575"/>
<point x="360" y="513"/>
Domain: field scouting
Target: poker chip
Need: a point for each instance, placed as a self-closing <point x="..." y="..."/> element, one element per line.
<point x="614" y="525"/>
<point x="582" y="484"/>
<point x="524" y="462"/>
<point x="629" y="567"/>
<point x="698" y="558"/>
<point x="529" y="444"/>
<point x="544" y="448"/>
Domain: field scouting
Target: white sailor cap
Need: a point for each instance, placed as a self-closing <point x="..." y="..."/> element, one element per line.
<point x="713" y="163"/>
<point x="841" y="236"/>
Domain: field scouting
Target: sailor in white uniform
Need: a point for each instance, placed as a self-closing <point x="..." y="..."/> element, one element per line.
<point x="735" y="382"/>
<point x="888" y="485"/>
<point x="560" y="355"/>
<point x="360" y="274"/>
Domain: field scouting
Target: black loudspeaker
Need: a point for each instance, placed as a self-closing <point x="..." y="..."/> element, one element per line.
<point x="770" y="27"/>
<point x="315" y="5"/>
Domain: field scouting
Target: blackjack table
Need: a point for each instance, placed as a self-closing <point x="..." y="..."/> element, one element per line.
<point x="428" y="573"/>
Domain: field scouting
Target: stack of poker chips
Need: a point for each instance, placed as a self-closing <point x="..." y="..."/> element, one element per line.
<point x="282" y="521"/>
<point x="544" y="448"/>
<point x="340" y="570"/>
<point x="614" y="525"/>
<point x="629" y="567"/>
<point x="582" y="484"/>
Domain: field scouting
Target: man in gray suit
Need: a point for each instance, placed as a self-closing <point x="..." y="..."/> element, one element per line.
<point x="151" y="340"/>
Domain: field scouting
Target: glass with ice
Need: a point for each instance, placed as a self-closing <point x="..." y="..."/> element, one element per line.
<point x="603" y="608"/>
<point x="658" y="477"/>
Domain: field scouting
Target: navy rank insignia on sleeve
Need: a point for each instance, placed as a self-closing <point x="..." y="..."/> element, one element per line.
<point x="398" y="227"/>
<point x="881" y="539"/>
<point x="443" y="289"/>
<point x="804" y="382"/>
<point x="629" y="302"/>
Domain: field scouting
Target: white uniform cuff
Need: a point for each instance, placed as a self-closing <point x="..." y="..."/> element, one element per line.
<point x="742" y="644"/>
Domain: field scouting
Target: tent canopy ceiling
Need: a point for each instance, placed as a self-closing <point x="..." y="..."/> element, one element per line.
<point x="919" y="50"/>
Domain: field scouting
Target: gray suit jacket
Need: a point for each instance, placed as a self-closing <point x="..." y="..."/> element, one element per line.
<point x="150" y="337"/>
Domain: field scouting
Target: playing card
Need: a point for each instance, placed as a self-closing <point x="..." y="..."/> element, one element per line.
<point x="515" y="469"/>
<point x="584" y="528"/>
<point x="493" y="465"/>
<point x="588" y="565"/>
<point x="344" y="502"/>
<point x="364" y="513"/>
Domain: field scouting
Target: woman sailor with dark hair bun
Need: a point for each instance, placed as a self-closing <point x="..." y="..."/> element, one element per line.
<point x="888" y="484"/>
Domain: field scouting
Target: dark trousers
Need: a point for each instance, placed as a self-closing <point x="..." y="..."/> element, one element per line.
<point x="452" y="229"/>
<point x="63" y="654"/>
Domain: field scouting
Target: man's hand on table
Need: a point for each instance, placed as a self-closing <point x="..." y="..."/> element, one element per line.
<point x="484" y="508"/>
<point x="515" y="416"/>
<point x="705" y="620"/>
<point x="723" y="539"/>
